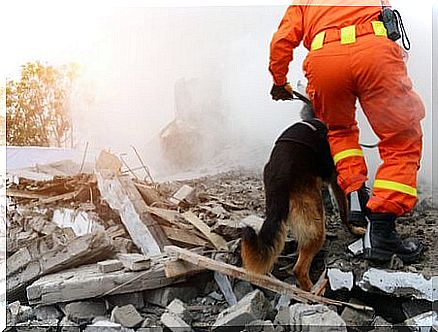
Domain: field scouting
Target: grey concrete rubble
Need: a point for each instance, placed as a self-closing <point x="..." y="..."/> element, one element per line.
<point x="47" y="312"/>
<point x="259" y="326"/>
<point x="126" y="316"/>
<point x="425" y="322"/>
<point x="175" y="323"/>
<point x="134" y="262"/>
<point x="356" y="319"/>
<point x="17" y="313"/>
<point x="84" y="311"/>
<point x="163" y="296"/>
<point x="120" y="300"/>
<point x="356" y="248"/>
<point x="314" y="318"/>
<point x="339" y="279"/>
<point x="252" y="307"/>
<point x="67" y="325"/>
<point x="179" y="308"/>
<point x="282" y="318"/>
<point x="241" y="288"/>
<point x="400" y="284"/>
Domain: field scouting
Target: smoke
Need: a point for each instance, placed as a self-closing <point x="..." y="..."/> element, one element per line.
<point x="149" y="65"/>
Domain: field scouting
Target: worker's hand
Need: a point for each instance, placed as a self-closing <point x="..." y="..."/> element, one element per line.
<point x="282" y="92"/>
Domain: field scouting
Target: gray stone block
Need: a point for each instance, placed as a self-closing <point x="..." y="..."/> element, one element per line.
<point x="127" y="316"/>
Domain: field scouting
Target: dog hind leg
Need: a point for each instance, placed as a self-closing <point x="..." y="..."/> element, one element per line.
<point x="308" y="226"/>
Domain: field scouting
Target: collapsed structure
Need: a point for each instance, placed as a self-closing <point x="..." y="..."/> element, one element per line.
<point x="88" y="251"/>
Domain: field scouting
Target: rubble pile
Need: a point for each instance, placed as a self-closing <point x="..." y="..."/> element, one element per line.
<point x="111" y="252"/>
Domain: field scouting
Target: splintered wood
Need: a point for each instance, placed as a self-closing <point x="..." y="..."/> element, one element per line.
<point x="256" y="279"/>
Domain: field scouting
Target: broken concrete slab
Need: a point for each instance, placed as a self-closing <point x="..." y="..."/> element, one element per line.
<point x="88" y="282"/>
<point x="259" y="326"/>
<point x="121" y="194"/>
<point x="400" y="284"/>
<point x="425" y="322"/>
<point x="84" y="311"/>
<point x="340" y="280"/>
<point x="179" y="308"/>
<point x="106" y="326"/>
<point x="67" y="325"/>
<point x="126" y="316"/>
<point x="45" y="260"/>
<point x="17" y="313"/>
<point x="241" y="288"/>
<point x="36" y="326"/>
<point x="283" y="317"/>
<point x="252" y="307"/>
<point x="314" y="318"/>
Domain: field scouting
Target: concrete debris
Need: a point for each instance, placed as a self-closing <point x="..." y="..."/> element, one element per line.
<point x="179" y="308"/>
<point x="126" y="316"/>
<point x="252" y="307"/>
<point x="163" y="296"/>
<point x="381" y="325"/>
<point x="339" y="279"/>
<point x="309" y="318"/>
<point x="356" y="320"/>
<point x="241" y="288"/>
<point x="400" y="284"/>
<point x="47" y="312"/>
<point x="260" y="326"/>
<point x="84" y="247"/>
<point x="426" y="322"/>
<point x="120" y="300"/>
<point x="84" y="311"/>
<point x="81" y="222"/>
<point x="184" y="195"/>
<point x="356" y="248"/>
<point x="175" y="323"/>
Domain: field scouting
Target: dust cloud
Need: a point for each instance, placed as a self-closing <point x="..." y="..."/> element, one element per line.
<point x="208" y="67"/>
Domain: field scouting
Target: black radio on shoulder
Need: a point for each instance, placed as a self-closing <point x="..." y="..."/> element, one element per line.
<point x="389" y="19"/>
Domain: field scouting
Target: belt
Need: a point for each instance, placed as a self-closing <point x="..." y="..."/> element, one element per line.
<point x="348" y="34"/>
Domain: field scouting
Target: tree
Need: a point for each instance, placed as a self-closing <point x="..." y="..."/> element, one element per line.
<point x="37" y="106"/>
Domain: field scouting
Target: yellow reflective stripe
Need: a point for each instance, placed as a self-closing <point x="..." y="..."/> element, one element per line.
<point x="318" y="41"/>
<point x="348" y="34"/>
<point x="347" y="153"/>
<point x="379" y="28"/>
<point x="396" y="186"/>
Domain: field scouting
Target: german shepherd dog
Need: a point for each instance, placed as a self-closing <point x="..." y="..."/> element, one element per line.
<point x="293" y="178"/>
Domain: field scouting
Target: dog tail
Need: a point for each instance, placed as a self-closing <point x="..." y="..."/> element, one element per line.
<point x="341" y="200"/>
<point x="259" y="252"/>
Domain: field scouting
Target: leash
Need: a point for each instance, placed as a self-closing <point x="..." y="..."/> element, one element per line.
<point x="298" y="96"/>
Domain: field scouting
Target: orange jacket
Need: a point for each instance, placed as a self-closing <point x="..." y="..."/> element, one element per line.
<point x="306" y="18"/>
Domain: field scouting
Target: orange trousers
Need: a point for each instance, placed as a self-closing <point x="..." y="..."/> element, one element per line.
<point x="371" y="70"/>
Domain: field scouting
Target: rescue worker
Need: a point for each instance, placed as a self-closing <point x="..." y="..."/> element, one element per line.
<point x="350" y="58"/>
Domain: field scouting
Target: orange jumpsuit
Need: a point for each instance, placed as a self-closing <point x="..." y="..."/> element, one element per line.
<point x="351" y="59"/>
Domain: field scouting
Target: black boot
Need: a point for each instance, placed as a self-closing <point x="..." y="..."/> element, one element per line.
<point x="357" y="202"/>
<point x="382" y="241"/>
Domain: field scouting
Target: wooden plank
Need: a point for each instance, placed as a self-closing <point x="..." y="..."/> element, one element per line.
<point x="217" y="240"/>
<point x="179" y="268"/>
<point x="46" y="258"/>
<point x="24" y="194"/>
<point x="134" y="262"/>
<point x="256" y="279"/>
<point x="121" y="194"/>
<point x="88" y="282"/>
<point x="184" y="236"/>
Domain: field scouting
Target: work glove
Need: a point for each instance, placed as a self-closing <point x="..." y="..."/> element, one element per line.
<point x="282" y="92"/>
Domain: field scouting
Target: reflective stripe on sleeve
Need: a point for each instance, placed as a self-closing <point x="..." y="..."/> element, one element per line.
<point x="396" y="186"/>
<point x="347" y="153"/>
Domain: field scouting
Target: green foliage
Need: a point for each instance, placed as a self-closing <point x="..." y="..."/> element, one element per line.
<point x="37" y="106"/>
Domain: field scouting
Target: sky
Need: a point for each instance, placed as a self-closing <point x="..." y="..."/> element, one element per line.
<point x="134" y="55"/>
